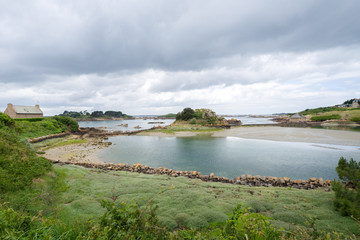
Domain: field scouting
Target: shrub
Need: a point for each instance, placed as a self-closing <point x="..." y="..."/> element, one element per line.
<point x="69" y="122"/>
<point x="127" y="221"/>
<point x="19" y="165"/>
<point x="325" y="118"/>
<point x="347" y="197"/>
<point x="6" y="120"/>
<point x="355" y="119"/>
<point x="186" y="114"/>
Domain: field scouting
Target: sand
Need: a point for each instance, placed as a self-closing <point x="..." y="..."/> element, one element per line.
<point x="285" y="134"/>
<point x="84" y="152"/>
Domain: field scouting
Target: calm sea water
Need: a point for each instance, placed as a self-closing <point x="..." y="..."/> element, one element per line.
<point x="146" y="124"/>
<point x="115" y="125"/>
<point x="230" y="156"/>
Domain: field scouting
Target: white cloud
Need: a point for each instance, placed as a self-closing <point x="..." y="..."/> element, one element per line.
<point x="144" y="57"/>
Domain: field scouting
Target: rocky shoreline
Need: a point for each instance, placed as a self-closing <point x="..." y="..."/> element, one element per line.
<point x="256" y="181"/>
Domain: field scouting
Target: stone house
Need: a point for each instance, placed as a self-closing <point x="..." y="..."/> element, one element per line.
<point x="23" y="111"/>
<point x="355" y="103"/>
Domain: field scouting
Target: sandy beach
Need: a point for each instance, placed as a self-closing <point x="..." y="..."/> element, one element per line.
<point x="77" y="153"/>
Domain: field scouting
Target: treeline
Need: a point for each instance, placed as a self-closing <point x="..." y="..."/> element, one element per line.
<point x="95" y="114"/>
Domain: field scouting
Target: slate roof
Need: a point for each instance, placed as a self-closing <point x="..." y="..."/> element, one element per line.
<point x="27" y="110"/>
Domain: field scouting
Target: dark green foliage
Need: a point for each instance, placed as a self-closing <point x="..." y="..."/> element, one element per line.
<point x="97" y="114"/>
<point x="68" y="122"/>
<point x="114" y="114"/>
<point x="19" y="165"/>
<point x="244" y="224"/>
<point x="29" y="119"/>
<point x="325" y="118"/>
<point x="347" y="197"/>
<point x="128" y="221"/>
<point x="355" y="119"/>
<point x="6" y="120"/>
<point x="349" y="101"/>
<point x="186" y="114"/>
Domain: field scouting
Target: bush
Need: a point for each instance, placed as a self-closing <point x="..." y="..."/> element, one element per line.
<point x="19" y="165"/>
<point x="186" y="114"/>
<point x="325" y="118"/>
<point x="70" y="123"/>
<point x="6" y="120"/>
<point x="355" y="119"/>
<point x="128" y="221"/>
<point x="347" y="197"/>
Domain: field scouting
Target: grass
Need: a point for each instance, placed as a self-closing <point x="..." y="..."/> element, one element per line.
<point x="193" y="203"/>
<point x="186" y="128"/>
<point x="56" y="142"/>
<point x="346" y="115"/>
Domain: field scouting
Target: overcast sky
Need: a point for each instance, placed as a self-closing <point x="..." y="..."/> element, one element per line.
<point x="156" y="57"/>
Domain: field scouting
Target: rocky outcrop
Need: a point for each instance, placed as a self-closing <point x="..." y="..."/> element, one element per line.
<point x="234" y="122"/>
<point x="249" y="180"/>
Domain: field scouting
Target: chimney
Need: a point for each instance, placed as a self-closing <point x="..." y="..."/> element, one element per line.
<point x="37" y="106"/>
<point x="10" y="105"/>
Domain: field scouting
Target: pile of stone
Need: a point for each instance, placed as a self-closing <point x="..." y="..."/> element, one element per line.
<point x="249" y="180"/>
<point x="43" y="138"/>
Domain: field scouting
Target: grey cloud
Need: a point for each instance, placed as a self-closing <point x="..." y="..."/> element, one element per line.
<point x="85" y="37"/>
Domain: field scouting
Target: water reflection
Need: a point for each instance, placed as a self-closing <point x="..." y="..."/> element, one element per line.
<point x="230" y="157"/>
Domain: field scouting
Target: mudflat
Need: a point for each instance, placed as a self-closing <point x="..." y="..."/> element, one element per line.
<point x="287" y="134"/>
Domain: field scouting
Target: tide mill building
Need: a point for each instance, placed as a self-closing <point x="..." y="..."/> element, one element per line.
<point x="15" y="111"/>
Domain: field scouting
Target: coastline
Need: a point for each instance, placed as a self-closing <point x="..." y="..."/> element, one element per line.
<point x="78" y="153"/>
<point x="274" y="133"/>
<point x="88" y="152"/>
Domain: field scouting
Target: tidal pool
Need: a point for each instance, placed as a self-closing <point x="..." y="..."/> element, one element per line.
<point x="230" y="156"/>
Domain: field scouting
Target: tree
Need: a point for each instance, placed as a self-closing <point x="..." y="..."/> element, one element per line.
<point x="186" y="114"/>
<point x="97" y="114"/>
<point x="347" y="194"/>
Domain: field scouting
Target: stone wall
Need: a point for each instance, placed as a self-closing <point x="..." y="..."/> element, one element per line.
<point x="249" y="180"/>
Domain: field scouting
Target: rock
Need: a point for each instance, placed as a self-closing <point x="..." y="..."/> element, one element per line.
<point x="287" y="179"/>
<point x="212" y="175"/>
<point x="312" y="179"/>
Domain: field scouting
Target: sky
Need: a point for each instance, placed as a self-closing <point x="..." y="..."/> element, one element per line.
<point x="160" y="56"/>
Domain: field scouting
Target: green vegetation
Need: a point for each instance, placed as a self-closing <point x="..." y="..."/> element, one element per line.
<point x="19" y="164"/>
<point x="120" y="203"/>
<point x="200" y="116"/>
<point x="42" y="201"/>
<point x="355" y="119"/>
<point x="64" y="143"/>
<point x="325" y="117"/>
<point x="347" y="197"/>
<point x="5" y="120"/>
<point x="83" y="115"/>
<point x="28" y="128"/>
<point x="185" y="127"/>
<point x="169" y="115"/>
<point x="326" y="109"/>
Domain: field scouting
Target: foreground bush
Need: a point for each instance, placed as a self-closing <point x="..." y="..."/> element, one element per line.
<point x="19" y="164"/>
<point x="325" y="118"/>
<point x="347" y="197"/>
